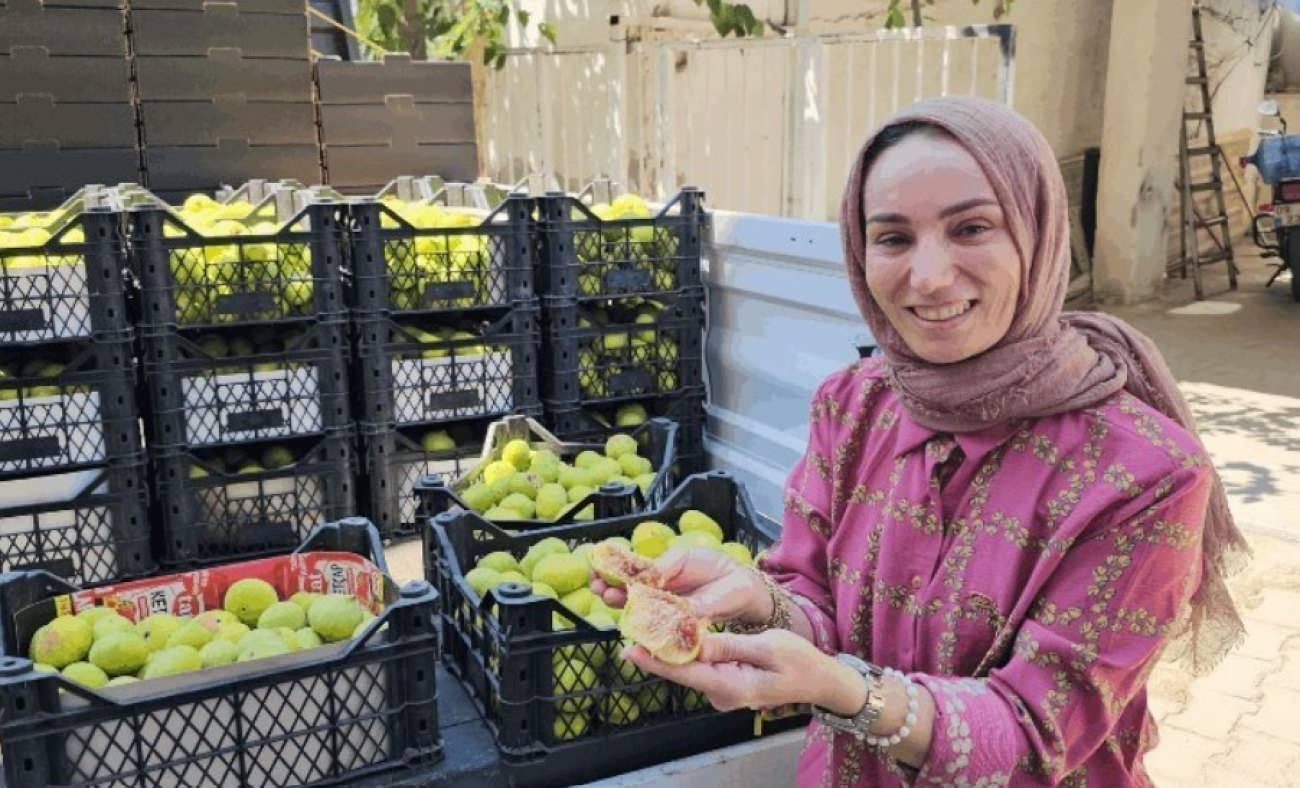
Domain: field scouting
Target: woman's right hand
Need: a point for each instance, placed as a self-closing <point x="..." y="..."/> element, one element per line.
<point x="718" y="588"/>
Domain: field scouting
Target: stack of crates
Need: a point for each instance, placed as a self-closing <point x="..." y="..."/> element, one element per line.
<point x="382" y="120"/>
<point x="66" y="117"/>
<point x="72" y="473"/>
<point x="244" y="348"/>
<point x="446" y="338"/>
<point x="225" y="93"/>
<point x="623" y="307"/>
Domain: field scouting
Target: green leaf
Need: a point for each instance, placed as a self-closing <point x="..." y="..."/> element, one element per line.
<point x="503" y="15"/>
<point x="491" y="52"/>
<point x="523" y="17"/>
<point x="745" y="21"/>
<point x="547" y="30"/>
<point x="500" y="61"/>
<point x="895" y="19"/>
<point x="722" y="21"/>
<point x="715" y="7"/>
<point x="386" y="16"/>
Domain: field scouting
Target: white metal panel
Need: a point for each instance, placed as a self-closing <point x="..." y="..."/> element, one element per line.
<point x="761" y="125"/>
<point x="781" y="318"/>
<point x="769" y="761"/>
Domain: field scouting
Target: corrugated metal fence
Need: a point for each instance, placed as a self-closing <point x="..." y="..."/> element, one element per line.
<point x="763" y="125"/>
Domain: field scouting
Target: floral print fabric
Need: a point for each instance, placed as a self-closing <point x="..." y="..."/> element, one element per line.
<point x="1027" y="575"/>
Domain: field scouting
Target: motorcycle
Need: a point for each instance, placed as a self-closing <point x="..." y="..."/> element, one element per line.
<point x="1276" y="228"/>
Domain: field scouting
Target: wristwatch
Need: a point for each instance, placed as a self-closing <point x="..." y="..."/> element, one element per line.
<point x="859" y="724"/>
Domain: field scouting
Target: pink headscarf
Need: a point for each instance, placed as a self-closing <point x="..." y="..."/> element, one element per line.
<point x="1050" y="361"/>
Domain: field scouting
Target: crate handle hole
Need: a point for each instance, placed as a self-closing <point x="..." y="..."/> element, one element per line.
<point x="29" y="765"/>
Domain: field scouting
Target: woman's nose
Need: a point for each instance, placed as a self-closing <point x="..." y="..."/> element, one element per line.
<point x="932" y="267"/>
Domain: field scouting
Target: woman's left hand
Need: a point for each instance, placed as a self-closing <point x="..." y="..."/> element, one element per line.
<point x="762" y="671"/>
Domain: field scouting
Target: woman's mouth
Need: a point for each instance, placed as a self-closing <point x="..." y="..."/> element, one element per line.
<point x="942" y="313"/>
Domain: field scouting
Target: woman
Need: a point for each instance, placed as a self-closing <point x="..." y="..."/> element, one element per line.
<point x="1006" y="518"/>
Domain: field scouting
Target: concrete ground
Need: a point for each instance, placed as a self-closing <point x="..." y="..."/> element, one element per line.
<point x="1237" y="356"/>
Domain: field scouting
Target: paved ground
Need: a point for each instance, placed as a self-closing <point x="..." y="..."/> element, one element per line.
<point x="1237" y="356"/>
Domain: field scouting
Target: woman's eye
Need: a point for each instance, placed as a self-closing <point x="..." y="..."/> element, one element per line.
<point x="891" y="240"/>
<point x="972" y="230"/>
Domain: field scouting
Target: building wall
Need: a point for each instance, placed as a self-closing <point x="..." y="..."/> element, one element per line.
<point x="1237" y="37"/>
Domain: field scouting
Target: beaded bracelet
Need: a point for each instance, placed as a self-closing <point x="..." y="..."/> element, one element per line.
<point x="885" y="742"/>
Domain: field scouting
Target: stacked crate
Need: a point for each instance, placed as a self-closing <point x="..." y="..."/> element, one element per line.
<point x="562" y="705"/>
<point x="380" y="121"/>
<point x="72" y="483"/>
<point x="446" y="332"/>
<point x="66" y="117"/>
<point x="244" y="347"/>
<point x="361" y="710"/>
<point x="623" y="309"/>
<point x="225" y="93"/>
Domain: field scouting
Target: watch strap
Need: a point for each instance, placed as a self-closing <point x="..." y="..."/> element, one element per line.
<point x="858" y="725"/>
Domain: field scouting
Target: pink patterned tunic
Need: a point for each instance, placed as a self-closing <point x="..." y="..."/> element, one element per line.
<point x="1027" y="575"/>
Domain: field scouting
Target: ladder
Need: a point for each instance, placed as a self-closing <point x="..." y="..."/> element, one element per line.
<point x="1194" y="146"/>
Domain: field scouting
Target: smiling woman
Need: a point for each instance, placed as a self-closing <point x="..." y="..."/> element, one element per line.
<point x="1000" y="523"/>
<point x="938" y="250"/>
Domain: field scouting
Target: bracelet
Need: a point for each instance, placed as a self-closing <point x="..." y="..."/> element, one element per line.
<point x="885" y="742"/>
<point x="780" y="618"/>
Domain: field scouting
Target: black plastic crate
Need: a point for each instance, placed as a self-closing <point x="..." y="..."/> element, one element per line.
<point x="209" y="122"/>
<point x="211" y="512"/>
<point x="181" y="33"/>
<point x="62" y="30"/>
<point x="656" y="441"/>
<point x="31" y="71"/>
<point x="431" y="375"/>
<point x="399" y="122"/>
<point x="288" y="7"/>
<point x="188" y="279"/>
<point x="507" y="651"/>
<point x="578" y="422"/>
<point x="266" y="384"/>
<point x="394" y="461"/>
<point x="42" y="176"/>
<point x="222" y="73"/>
<point x="67" y="406"/>
<point x="368" y="108"/>
<point x="401" y="269"/>
<point x="397" y="75"/>
<point x="65" y="282"/>
<point x="89" y="526"/>
<point x="206" y="168"/>
<point x="586" y="257"/>
<point x="327" y="716"/>
<point x="39" y="119"/>
<point x="362" y="169"/>
<point x="617" y="351"/>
